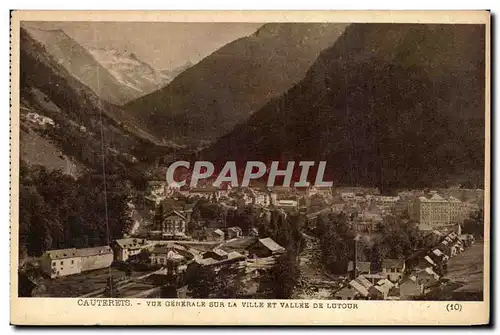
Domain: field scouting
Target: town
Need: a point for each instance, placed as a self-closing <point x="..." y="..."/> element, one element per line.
<point x="343" y="243"/>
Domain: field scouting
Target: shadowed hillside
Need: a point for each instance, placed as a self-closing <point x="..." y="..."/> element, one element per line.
<point x="208" y="99"/>
<point x="388" y="105"/>
<point x="83" y="126"/>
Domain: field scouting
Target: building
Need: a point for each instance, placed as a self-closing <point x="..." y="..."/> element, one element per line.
<point x="348" y="196"/>
<point x="217" y="254"/>
<point x="62" y="262"/>
<point x="459" y="211"/>
<point x="374" y="278"/>
<point x="437" y="259"/>
<point x="337" y="207"/>
<point x="65" y="262"/>
<point x="347" y="293"/>
<point x="436" y="211"/>
<point x="158" y="188"/>
<point x="173" y="257"/>
<point x="427" y="277"/>
<point x="266" y="247"/>
<point x="366" y="289"/>
<point x="456" y="248"/>
<point x="384" y="286"/>
<point x="287" y="204"/>
<point x="231" y="259"/>
<point x="385" y="202"/>
<point x="321" y="190"/>
<point x="173" y="225"/>
<point x="367" y="222"/>
<point x="362" y="286"/>
<point x="209" y="193"/>
<point x="126" y="248"/>
<point x="172" y="188"/>
<point x="305" y="191"/>
<point x="39" y="119"/>
<point x="467" y="239"/>
<point x="253" y="232"/>
<point x="393" y="269"/>
<point x="234" y="232"/>
<point x="224" y="189"/>
<point x="410" y="289"/>
<point x="355" y="189"/>
<point x="214" y="235"/>
<point x="260" y="198"/>
<point x="418" y="283"/>
<point x="163" y="253"/>
<point x="362" y="268"/>
<point x="431" y="212"/>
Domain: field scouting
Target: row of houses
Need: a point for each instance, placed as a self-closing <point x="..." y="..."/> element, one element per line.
<point x="430" y="210"/>
<point x="426" y="273"/>
<point x="174" y="227"/>
<point x="362" y="288"/>
<point x="405" y="279"/>
<point x="254" y="194"/>
<point x="65" y="262"/>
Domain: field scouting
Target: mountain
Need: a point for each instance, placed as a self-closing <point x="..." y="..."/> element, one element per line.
<point x="65" y="125"/>
<point x="171" y="74"/>
<point x="225" y="88"/>
<point x="101" y="71"/>
<point x="134" y="73"/>
<point x="388" y="105"/>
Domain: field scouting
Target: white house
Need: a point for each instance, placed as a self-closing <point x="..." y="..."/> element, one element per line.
<point x="64" y="262"/>
<point x="126" y="247"/>
<point x="393" y="269"/>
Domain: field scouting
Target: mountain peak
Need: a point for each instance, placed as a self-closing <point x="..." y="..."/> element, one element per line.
<point x="235" y="80"/>
<point x="378" y="106"/>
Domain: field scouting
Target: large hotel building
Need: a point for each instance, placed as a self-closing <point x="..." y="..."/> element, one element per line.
<point x="436" y="211"/>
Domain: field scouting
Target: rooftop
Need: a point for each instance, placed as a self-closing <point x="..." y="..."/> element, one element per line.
<point x="73" y="252"/>
<point x="393" y="263"/>
<point x="218" y="232"/>
<point x="271" y="244"/>
<point x="359" y="287"/>
<point x="434" y="198"/>
<point x="175" y="213"/>
<point x="210" y="189"/>
<point x="131" y="243"/>
<point x="361" y="266"/>
<point x="346" y="291"/>
<point x="219" y="252"/>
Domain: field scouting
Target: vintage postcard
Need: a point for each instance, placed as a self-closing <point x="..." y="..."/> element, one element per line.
<point x="250" y="168"/>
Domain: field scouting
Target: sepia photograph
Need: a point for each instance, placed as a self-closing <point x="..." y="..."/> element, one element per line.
<point x="207" y="163"/>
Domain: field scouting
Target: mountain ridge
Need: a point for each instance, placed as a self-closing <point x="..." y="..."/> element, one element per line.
<point x="76" y="122"/>
<point x="387" y="105"/>
<point x="208" y="99"/>
<point x="117" y="77"/>
<point x="80" y="63"/>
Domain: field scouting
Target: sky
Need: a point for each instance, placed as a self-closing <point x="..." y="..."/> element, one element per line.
<point x="164" y="45"/>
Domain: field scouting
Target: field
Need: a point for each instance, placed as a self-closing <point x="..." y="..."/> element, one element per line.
<point x="467" y="268"/>
<point x="82" y="283"/>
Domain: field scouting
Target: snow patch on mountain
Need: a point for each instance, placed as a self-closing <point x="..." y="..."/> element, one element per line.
<point x="131" y="71"/>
